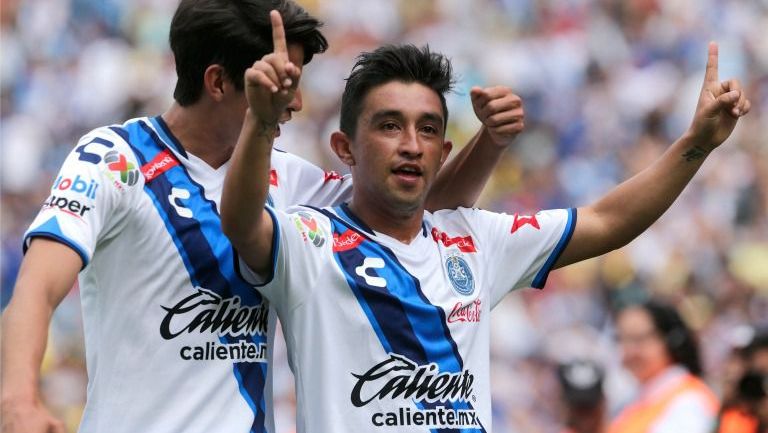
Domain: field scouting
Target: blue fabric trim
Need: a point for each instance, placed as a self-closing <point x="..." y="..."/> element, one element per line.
<point x="541" y="277"/>
<point x="404" y="320"/>
<point x="59" y="238"/>
<point x="207" y="253"/>
<point x="165" y="133"/>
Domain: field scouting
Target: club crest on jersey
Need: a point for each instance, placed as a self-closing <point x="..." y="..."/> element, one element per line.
<point x="121" y="166"/>
<point x="311" y="230"/>
<point x="460" y="275"/>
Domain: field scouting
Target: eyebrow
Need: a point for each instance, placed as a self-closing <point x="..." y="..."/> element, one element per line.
<point x="399" y="115"/>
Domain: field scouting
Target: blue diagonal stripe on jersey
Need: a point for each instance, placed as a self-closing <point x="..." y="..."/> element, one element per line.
<point x="403" y="318"/>
<point x="207" y="254"/>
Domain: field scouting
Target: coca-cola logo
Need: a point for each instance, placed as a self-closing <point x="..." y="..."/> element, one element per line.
<point x="398" y="377"/>
<point x="348" y="240"/>
<point x="206" y="312"/>
<point x="465" y="313"/>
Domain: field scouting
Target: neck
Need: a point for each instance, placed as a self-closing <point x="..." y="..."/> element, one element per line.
<point x="400" y="225"/>
<point x="195" y="129"/>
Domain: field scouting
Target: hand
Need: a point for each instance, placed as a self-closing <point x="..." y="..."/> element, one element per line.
<point x="500" y="111"/>
<point x="719" y="108"/>
<point x="29" y="418"/>
<point x="271" y="83"/>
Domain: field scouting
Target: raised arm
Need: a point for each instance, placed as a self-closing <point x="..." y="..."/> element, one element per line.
<point x="39" y="288"/>
<point x="461" y="180"/>
<point x="270" y="85"/>
<point x="630" y="208"/>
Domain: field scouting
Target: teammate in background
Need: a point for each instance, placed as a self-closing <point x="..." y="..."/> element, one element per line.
<point x="385" y="305"/>
<point x="175" y="341"/>
<point x="662" y="354"/>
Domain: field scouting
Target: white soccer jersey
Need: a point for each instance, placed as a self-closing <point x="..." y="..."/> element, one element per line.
<point x="175" y="340"/>
<point x="393" y="337"/>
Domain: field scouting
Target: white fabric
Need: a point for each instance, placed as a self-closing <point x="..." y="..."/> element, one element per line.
<point x="355" y="304"/>
<point x="149" y="310"/>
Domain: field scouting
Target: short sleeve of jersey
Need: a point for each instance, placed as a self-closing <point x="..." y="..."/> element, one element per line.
<point x="521" y="249"/>
<point x="297" y="181"/>
<point x="86" y="193"/>
<point x="301" y="244"/>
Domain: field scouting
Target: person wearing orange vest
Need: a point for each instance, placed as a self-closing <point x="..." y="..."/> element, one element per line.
<point x="661" y="353"/>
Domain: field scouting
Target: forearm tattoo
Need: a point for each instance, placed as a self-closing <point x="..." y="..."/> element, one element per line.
<point x="697" y="152"/>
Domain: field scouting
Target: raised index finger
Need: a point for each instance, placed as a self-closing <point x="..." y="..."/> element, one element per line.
<point x="710" y="76"/>
<point x="278" y="33"/>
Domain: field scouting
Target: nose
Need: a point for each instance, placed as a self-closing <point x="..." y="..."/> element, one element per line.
<point x="410" y="147"/>
<point x="296" y="103"/>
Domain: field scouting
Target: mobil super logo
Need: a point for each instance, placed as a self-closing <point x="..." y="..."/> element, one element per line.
<point x="78" y="184"/>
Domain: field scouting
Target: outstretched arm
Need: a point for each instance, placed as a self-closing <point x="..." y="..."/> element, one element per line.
<point x="630" y="208"/>
<point x="39" y="288"/>
<point x="462" y="179"/>
<point x="270" y="84"/>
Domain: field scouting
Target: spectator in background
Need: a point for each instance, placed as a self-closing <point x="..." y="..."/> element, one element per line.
<point x="746" y="411"/>
<point x="581" y="384"/>
<point x="661" y="353"/>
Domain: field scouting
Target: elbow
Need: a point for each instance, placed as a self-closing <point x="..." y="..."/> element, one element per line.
<point x="231" y="230"/>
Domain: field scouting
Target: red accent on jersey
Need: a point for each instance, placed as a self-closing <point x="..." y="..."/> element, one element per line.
<point x="163" y="162"/>
<point x="465" y="243"/>
<point x="521" y="220"/>
<point x="349" y="240"/>
<point x="465" y="313"/>
<point x="273" y="177"/>
<point x="332" y="175"/>
<point x="120" y="165"/>
<point x="311" y="223"/>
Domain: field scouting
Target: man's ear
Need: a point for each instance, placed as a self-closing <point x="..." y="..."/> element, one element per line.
<point x="215" y="81"/>
<point x="447" y="147"/>
<point x="342" y="147"/>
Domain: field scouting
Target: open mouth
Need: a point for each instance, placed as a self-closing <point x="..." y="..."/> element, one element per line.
<point x="408" y="171"/>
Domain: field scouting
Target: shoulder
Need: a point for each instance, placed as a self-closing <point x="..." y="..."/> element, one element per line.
<point x="105" y="151"/>
<point x="281" y="158"/>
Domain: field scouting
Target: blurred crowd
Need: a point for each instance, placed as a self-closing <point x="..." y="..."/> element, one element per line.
<point x="607" y="85"/>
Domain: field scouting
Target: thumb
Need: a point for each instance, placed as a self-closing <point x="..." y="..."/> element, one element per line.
<point x="479" y="97"/>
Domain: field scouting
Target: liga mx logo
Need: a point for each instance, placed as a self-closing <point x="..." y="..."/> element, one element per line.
<point x="460" y="275"/>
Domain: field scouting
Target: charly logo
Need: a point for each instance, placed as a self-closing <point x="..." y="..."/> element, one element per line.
<point x="460" y="275"/>
<point x="310" y="229"/>
<point x="204" y="312"/>
<point x="403" y="382"/>
<point x="118" y="163"/>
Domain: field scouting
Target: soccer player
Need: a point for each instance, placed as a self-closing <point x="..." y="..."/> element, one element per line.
<point x="175" y="340"/>
<point x="385" y="305"/>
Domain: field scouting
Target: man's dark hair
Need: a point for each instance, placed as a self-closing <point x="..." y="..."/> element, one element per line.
<point x="233" y="34"/>
<point x="678" y="338"/>
<point x="404" y="63"/>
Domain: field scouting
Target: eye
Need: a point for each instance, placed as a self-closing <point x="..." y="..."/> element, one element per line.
<point x="389" y="126"/>
<point x="429" y="129"/>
